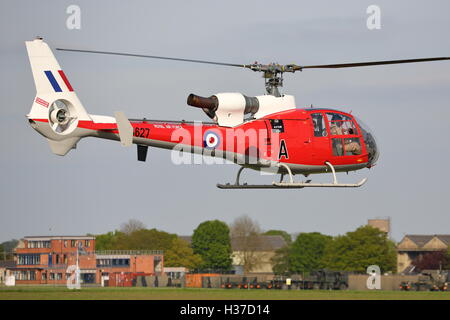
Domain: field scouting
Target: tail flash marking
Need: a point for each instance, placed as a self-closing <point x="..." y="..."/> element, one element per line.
<point x="42" y="102"/>
<point x="66" y="81"/>
<point x="53" y="81"/>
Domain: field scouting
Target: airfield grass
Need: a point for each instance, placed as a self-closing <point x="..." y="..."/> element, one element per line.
<point x="97" y="293"/>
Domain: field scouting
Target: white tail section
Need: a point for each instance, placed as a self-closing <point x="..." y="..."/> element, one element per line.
<point x="51" y="83"/>
<point x="56" y="109"/>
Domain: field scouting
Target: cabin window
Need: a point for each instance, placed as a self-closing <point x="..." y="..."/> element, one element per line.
<point x="346" y="146"/>
<point x="319" y="125"/>
<point x="337" y="147"/>
<point x="341" y="124"/>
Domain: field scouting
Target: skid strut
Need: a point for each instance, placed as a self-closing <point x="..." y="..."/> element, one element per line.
<point x="291" y="184"/>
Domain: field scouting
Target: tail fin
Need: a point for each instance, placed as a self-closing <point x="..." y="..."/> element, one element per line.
<point x="56" y="109"/>
<point x="50" y="81"/>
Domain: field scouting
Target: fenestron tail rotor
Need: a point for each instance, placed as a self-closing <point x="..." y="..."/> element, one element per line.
<point x="60" y="118"/>
<point x="273" y="72"/>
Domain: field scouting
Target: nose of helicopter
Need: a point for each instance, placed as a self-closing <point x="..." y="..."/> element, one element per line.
<point x="372" y="149"/>
<point x="371" y="144"/>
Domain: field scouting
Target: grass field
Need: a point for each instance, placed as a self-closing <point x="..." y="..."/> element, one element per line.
<point x="61" y="293"/>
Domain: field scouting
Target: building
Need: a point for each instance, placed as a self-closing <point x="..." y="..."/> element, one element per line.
<point x="45" y="259"/>
<point x="382" y="224"/>
<point x="413" y="246"/>
<point x="261" y="251"/>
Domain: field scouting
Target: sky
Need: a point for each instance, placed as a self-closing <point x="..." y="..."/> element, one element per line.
<point x="100" y="185"/>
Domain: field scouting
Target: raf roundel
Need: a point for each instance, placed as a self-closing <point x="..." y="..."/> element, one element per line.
<point x="211" y="140"/>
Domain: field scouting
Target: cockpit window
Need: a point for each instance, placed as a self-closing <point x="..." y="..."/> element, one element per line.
<point x="346" y="146"/>
<point x="369" y="140"/>
<point x="320" y="129"/>
<point x="341" y="124"/>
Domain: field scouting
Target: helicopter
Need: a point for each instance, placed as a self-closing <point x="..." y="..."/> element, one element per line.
<point x="266" y="132"/>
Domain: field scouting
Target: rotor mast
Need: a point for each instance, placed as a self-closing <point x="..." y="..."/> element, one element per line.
<point x="273" y="75"/>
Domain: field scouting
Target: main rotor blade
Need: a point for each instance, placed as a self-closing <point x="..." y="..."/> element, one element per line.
<point x="369" y="63"/>
<point x="155" y="57"/>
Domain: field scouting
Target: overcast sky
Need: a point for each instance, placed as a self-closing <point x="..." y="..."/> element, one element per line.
<point x="100" y="185"/>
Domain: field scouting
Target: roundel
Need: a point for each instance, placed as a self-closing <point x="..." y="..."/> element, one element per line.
<point x="211" y="140"/>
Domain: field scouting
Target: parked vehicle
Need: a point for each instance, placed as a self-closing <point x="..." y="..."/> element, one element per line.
<point x="433" y="280"/>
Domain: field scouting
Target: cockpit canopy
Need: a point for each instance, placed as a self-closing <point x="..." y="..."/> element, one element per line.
<point x="371" y="144"/>
<point x="344" y="133"/>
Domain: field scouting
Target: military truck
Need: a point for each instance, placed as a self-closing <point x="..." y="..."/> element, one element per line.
<point x="432" y="280"/>
<point x="316" y="280"/>
<point x="325" y="280"/>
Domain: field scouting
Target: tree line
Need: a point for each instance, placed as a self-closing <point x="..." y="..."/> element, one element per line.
<point x="211" y="248"/>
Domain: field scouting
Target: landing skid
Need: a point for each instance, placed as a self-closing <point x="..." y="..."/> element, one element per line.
<point x="291" y="184"/>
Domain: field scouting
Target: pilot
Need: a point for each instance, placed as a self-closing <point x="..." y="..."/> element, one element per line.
<point x="352" y="146"/>
<point x="335" y="125"/>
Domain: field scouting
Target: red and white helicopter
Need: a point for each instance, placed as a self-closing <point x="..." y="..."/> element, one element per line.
<point x="265" y="132"/>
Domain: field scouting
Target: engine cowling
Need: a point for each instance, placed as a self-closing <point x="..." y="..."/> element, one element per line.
<point x="228" y="109"/>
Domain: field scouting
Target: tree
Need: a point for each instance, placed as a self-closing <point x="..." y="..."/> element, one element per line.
<point x="181" y="254"/>
<point x="357" y="250"/>
<point x="307" y="251"/>
<point x="145" y="239"/>
<point x="107" y="241"/>
<point x="2" y="253"/>
<point x="431" y="261"/>
<point x="246" y="237"/>
<point x="447" y="265"/>
<point x="280" y="261"/>
<point x="286" y="236"/>
<point x="131" y="226"/>
<point x="8" y="248"/>
<point x="211" y="240"/>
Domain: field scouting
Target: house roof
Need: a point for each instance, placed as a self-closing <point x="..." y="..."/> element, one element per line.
<point x="444" y="238"/>
<point x="43" y="238"/>
<point x="421" y="239"/>
<point x="263" y="243"/>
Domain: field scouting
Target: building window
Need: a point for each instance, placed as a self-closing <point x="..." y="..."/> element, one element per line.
<point x="65" y="243"/>
<point x="44" y="276"/>
<point x="73" y="243"/>
<point x="29" y="259"/>
<point x="38" y="244"/>
<point x="113" y="263"/>
<point x="59" y="276"/>
<point x="25" y="275"/>
<point x="52" y="276"/>
<point x="87" y="243"/>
